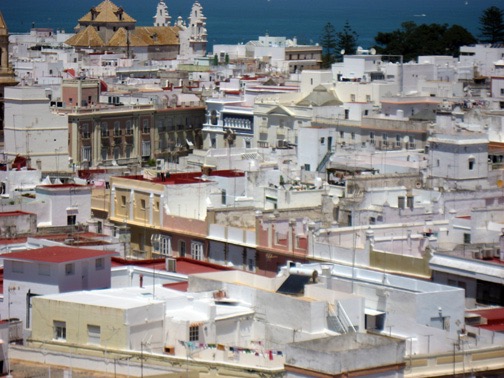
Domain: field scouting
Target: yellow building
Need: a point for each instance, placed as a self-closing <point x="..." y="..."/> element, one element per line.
<point x="112" y="319"/>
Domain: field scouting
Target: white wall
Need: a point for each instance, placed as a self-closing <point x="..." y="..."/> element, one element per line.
<point x="31" y="129"/>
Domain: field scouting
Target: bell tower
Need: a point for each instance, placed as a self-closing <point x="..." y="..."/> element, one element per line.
<point x="197" y="28"/>
<point x="7" y="77"/>
<point x="162" y="17"/>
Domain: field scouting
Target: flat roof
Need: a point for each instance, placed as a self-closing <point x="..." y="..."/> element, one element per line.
<point x="126" y="298"/>
<point x="57" y="254"/>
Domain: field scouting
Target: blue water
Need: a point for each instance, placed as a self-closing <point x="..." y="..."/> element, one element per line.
<point x="235" y="21"/>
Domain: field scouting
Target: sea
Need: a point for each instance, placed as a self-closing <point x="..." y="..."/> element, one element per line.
<point x="240" y="21"/>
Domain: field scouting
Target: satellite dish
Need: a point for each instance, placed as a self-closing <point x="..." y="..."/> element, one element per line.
<point x="372" y="51"/>
<point x="342" y="52"/>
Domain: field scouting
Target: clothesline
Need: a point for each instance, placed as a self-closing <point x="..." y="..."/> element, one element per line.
<point x="257" y="352"/>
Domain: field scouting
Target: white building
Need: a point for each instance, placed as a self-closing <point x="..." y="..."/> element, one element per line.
<point x="458" y="161"/>
<point x="63" y="204"/>
<point x="34" y="131"/>
<point x="50" y="270"/>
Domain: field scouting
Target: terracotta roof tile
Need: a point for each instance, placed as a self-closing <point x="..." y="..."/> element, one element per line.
<point x="146" y="36"/>
<point x="87" y="37"/>
<point x="107" y="11"/>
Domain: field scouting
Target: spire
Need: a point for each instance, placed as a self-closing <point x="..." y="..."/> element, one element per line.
<point x="197" y="23"/>
<point x="162" y="17"/>
<point x="3" y="26"/>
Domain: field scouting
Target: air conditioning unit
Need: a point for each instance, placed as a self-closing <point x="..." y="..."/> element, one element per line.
<point x="487" y="253"/>
<point x="160" y="164"/>
<point x="171" y="264"/>
<point x="477" y="255"/>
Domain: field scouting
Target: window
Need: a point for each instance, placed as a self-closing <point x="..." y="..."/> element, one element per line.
<point x="123" y="201"/>
<point x="197" y="250"/>
<point x="250" y="265"/>
<point x="100" y="263"/>
<point x="86" y="153"/>
<point x="85" y="131"/>
<point x="17" y="267"/>
<point x="129" y="128"/>
<point x="410" y="202"/>
<point x="142" y="204"/>
<point x="372" y="138"/>
<point x="44" y="269"/>
<point x="117" y="128"/>
<point x="69" y="269"/>
<point x="59" y="330"/>
<point x="353" y="135"/>
<point x="117" y="152"/>
<point x="467" y="238"/>
<point x="223" y="196"/>
<point x="165" y="245"/>
<point x="146" y="148"/>
<point x="342" y="134"/>
<point x="182" y="248"/>
<point x="352" y="98"/>
<point x="368" y="98"/>
<point x="398" y="141"/>
<point x="145" y="126"/>
<point x="401" y="204"/>
<point x="104" y="129"/>
<point x="93" y="334"/>
<point x="412" y="142"/>
<point x="194" y="333"/>
<point x="71" y="220"/>
<point x="471" y="163"/>
<point x="128" y="149"/>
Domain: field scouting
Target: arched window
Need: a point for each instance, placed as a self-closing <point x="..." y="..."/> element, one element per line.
<point x="213" y="117"/>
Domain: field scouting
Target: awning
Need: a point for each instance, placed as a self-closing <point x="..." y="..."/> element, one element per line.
<point x="368" y="311"/>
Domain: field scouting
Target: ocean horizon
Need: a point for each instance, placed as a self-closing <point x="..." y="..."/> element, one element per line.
<point x="239" y="21"/>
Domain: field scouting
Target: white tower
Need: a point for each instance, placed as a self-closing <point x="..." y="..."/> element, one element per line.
<point x="162" y="18"/>
<point x="198" y="32"/>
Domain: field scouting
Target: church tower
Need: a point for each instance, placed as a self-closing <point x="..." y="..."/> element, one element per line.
<point x="7" y="77"/>
<point x="162" y="18"/>
<point x="197" y="29"/>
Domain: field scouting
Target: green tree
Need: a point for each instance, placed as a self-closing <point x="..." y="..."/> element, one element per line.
<point x="328" y="44"/>
<point x="412" y="40"/>
<point x="346" y="40"/>
<point x="457" y="36"/>
<point x="492" y="25"/>
<point x="215" y="60"/>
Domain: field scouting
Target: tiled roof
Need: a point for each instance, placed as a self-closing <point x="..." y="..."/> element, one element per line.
<point x="107" y="11"/>
<point x="146" y="36"/>
<point x="14" y="213"/>
<point x="57" y="254"/>
<point x="87" y="37"/>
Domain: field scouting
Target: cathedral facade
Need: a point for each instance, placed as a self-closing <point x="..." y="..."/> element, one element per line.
<point x="7" y="77"/>
<point x="108" y="27"/>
